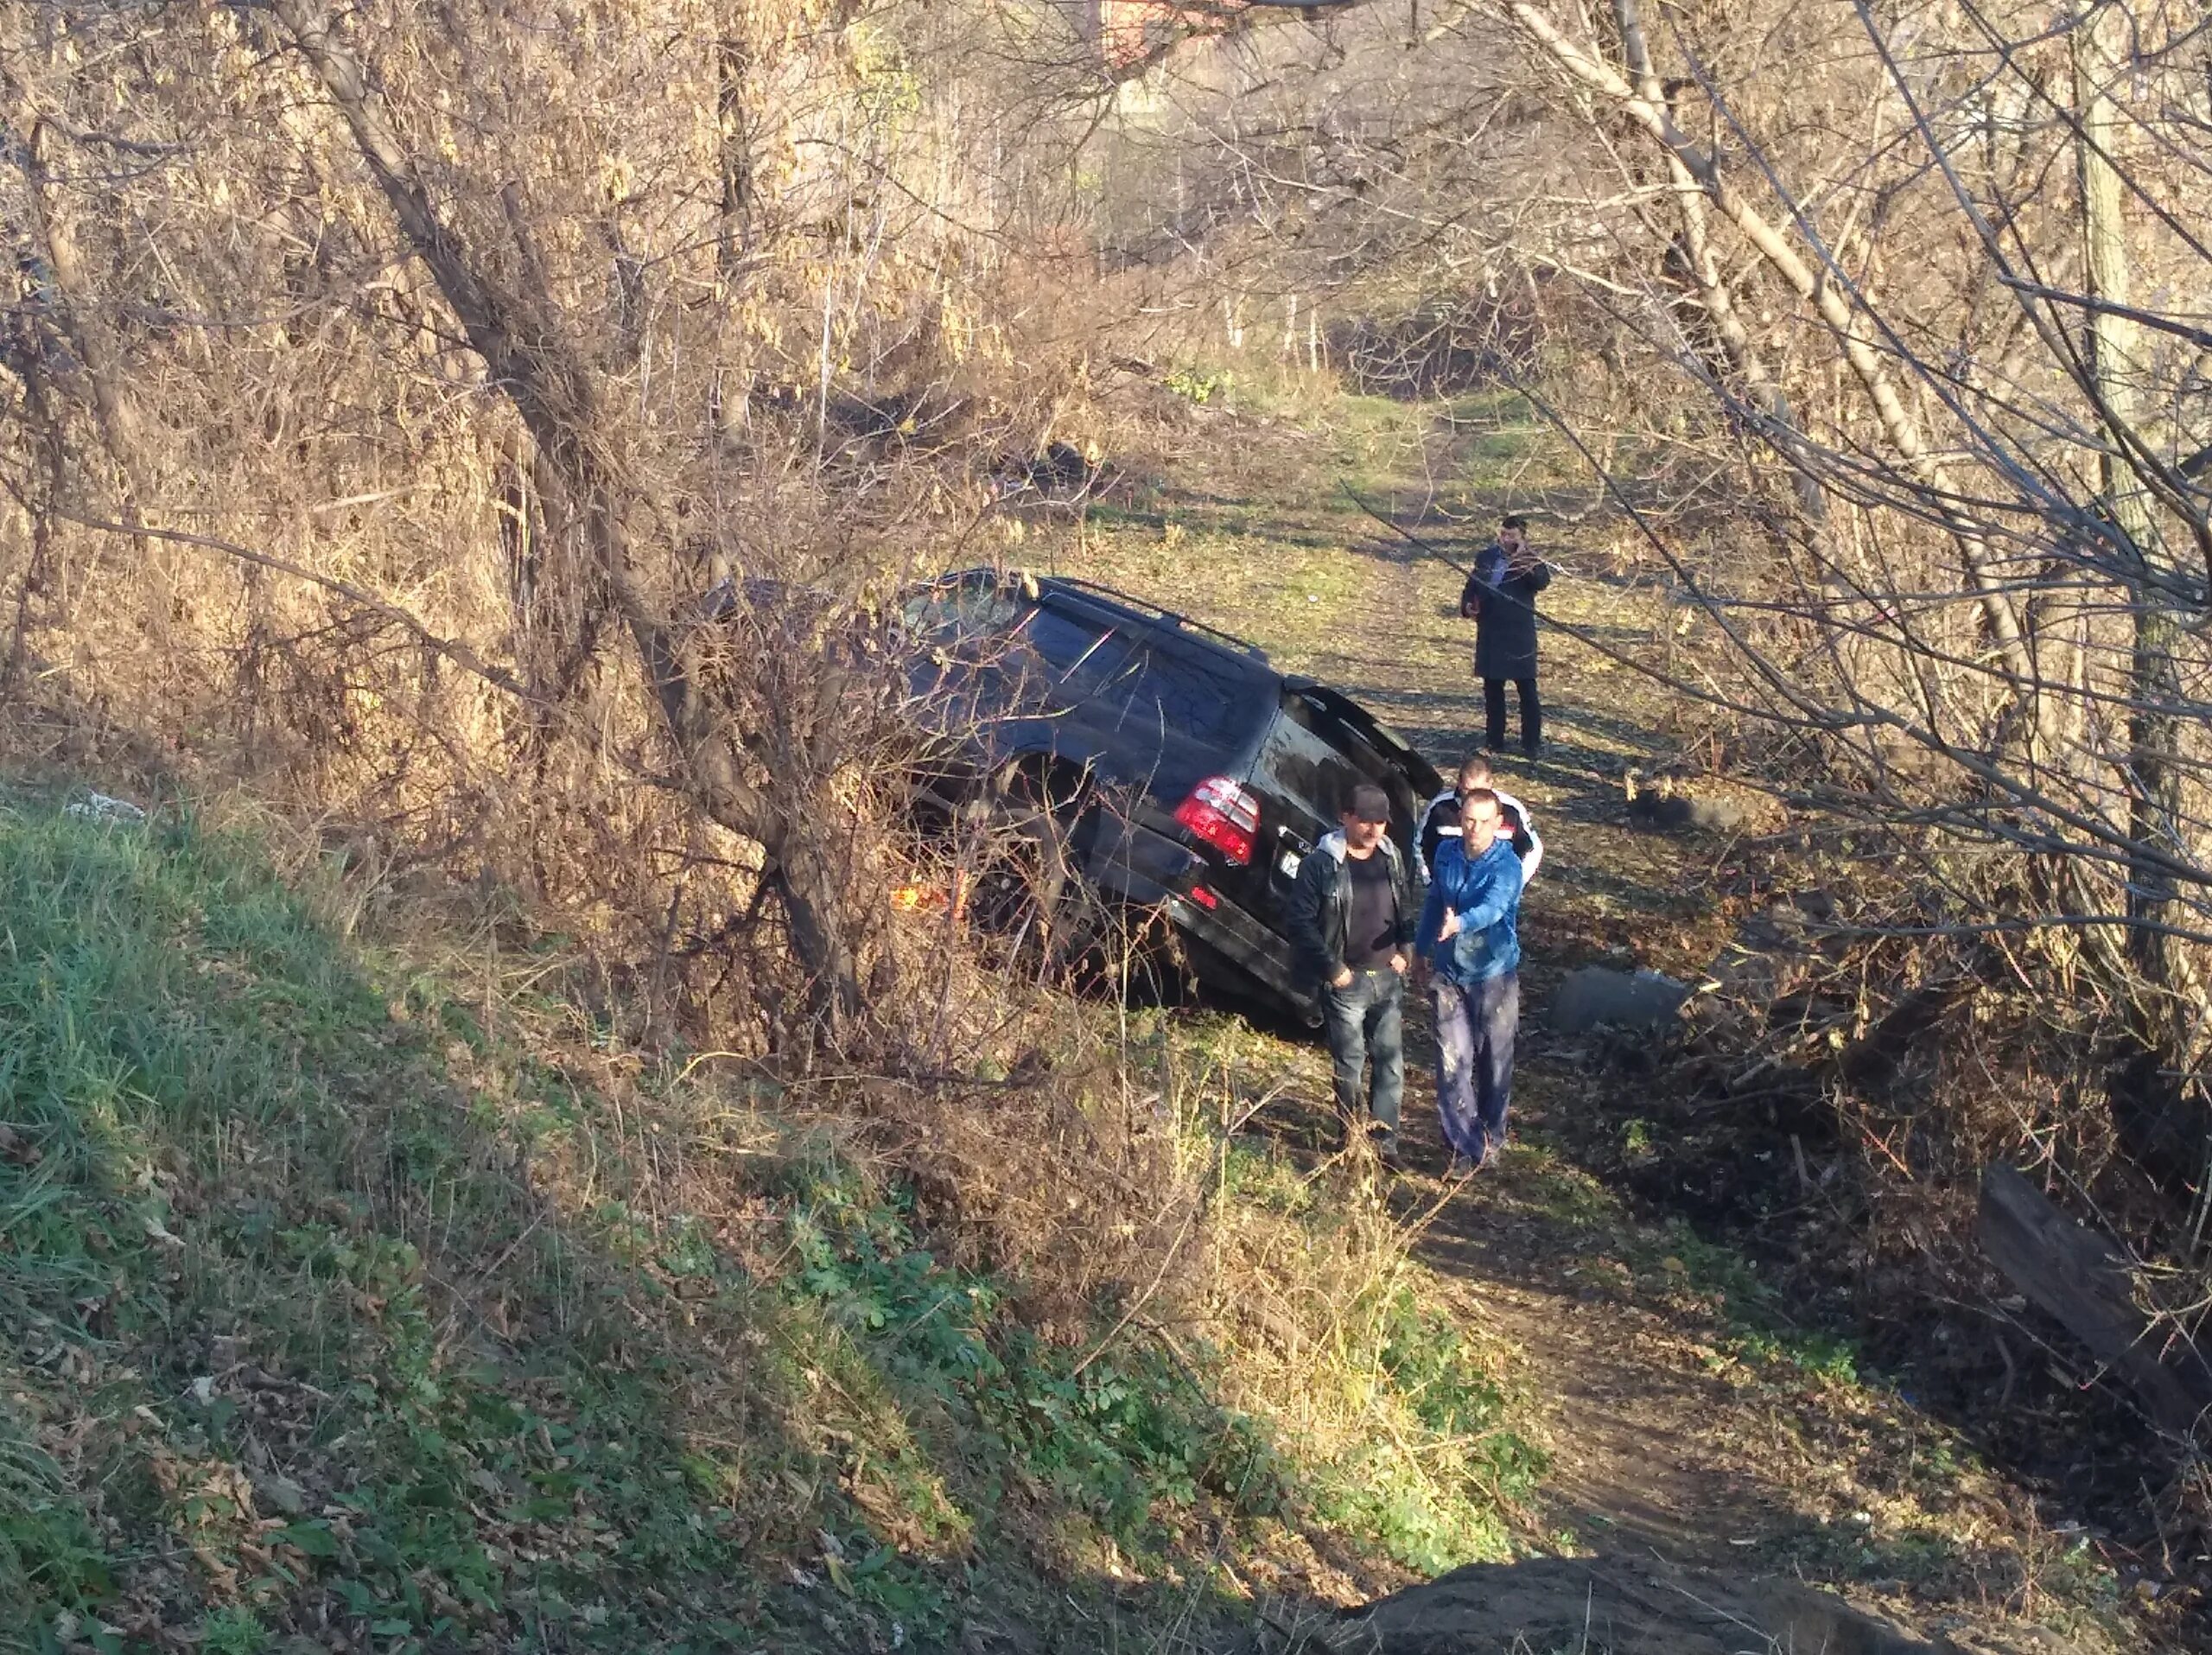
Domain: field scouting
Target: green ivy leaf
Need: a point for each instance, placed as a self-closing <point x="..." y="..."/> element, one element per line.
<point x="315" y="1539"/>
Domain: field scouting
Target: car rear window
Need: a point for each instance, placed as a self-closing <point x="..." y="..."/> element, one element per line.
<point x="1214" y="702"/>
<point x="1077" y="654"/>
<point x="1362" y="759"/>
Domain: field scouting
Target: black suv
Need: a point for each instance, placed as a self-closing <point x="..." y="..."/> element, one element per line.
<point x="1184" y="773"/>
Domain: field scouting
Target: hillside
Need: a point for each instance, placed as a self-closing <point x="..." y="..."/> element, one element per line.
<point x="564" y="1083"/>
<point x="374" y="1290"/>
<point x="363" y="1290"/>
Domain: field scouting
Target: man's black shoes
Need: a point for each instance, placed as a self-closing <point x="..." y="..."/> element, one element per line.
<point x="1386" y="1151"/>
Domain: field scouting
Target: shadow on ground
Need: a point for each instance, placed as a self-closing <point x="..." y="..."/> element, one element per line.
<point x="1620" y="1605"/>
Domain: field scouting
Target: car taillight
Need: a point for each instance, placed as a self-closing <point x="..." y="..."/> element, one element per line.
<point x="1222" y="814"/>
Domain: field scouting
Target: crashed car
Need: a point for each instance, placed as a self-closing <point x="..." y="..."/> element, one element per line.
<point x="1163" y="764"/>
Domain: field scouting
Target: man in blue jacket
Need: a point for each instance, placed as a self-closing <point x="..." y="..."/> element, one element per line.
<point x="1470" y="936"/>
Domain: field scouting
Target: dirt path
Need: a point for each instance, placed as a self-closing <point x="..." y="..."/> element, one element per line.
<point x="1689" y="1428"/>
<point x="1648" y="1443"/>
<point x="1681" y="1443"/>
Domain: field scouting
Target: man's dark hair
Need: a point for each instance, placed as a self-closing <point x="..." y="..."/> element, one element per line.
<point x="1475" y="796"/>
<point x="1368" y="803"/>
<point x="1514" y="520"/>
<point x="1473" y="765"/>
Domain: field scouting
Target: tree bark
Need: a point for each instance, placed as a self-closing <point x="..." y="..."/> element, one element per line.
<point x="734" y="159"/>
<point x="99" y="354"/>
<point x="1713" y="297"/>
<point x="732" y="63"/>
<point x="2084" y="1281"/>
<point x="96" y="347"/>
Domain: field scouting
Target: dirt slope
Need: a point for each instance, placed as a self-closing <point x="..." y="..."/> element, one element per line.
<point x="1625" y="1606"/>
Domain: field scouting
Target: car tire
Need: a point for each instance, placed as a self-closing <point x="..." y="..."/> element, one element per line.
<point x="1030" y="890"/>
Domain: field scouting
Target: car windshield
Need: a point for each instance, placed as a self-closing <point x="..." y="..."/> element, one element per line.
<point x="960" y="611"/>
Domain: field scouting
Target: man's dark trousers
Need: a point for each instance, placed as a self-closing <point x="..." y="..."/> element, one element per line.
<point x="1532" y="712"/>
<point x="1366" y="1023"/>
<point x="1475" y="1027"/>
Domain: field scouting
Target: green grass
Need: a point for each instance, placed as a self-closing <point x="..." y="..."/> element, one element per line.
<point x="1759" y="1331"/>
<point x="333" y="1290"/>
<point x="1425" y="1358"/>
<point x="1565" y="1194"/>
<point x="236" y="1249"/>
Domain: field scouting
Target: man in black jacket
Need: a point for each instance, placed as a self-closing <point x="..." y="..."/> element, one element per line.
<point x="1500" y="598"/>
<point x="1352" y="918"/>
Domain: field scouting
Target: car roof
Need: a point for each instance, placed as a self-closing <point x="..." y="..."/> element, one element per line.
<point x="1142" y="612"/>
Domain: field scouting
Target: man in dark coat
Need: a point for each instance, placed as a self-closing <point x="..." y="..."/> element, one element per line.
<point x="1500" y="598"/>
<point x="1352" y="918"/>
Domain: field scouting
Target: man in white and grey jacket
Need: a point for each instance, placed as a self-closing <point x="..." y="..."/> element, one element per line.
<point x="1516" y="825"/>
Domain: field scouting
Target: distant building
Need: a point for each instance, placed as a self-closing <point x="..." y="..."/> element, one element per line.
<point x="1132" y="33"/>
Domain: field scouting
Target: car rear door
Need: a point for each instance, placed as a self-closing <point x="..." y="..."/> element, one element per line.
<point x="1301" y="779"/>
<point x="1320" y="747"/>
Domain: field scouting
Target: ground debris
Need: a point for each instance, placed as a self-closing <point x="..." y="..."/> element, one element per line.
<point x="99" y="807"/>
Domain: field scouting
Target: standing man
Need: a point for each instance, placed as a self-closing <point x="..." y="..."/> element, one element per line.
<point x="1469" y="934"/>
<point x="1500" y="598"/>
<point x="1352" y="921"/>
<point x="1439" y="820"/>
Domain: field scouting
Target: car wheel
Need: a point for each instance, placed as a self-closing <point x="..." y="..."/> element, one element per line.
<point x="1029" y="890"/>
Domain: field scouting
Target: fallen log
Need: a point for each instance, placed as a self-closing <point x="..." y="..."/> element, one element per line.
<point x="2088" y="1285"/>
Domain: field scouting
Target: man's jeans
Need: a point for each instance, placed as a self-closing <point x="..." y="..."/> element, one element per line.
<point x="1475" y="1026"/>
<point x="1366" y="1022"/>
<point x="1532" y="712"/>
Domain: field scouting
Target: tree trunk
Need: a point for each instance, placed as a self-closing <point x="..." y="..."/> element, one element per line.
<point x="2084" y="1281"/>
<point x="2152" y="782"/>
<point x="99" y="354"/>
<point x="1713" y="297"/>
<point x="96" y="347"/>
<point x="806" y="882"/>
<point x="732" y="61"/>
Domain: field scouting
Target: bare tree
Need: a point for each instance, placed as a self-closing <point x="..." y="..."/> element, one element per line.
<point x="2051" y="466"/>
<point x="525" y="347"/>
<point x="520" y="348"/>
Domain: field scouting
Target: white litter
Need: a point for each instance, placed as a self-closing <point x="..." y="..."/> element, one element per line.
<point x="99" y="807"/>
